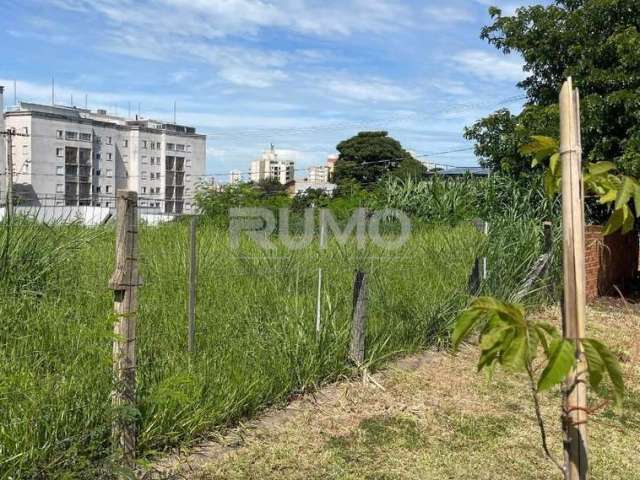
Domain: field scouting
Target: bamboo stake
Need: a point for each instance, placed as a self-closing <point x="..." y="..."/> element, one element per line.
<point x="124" y="283"/>
<point x="575" y="388"/>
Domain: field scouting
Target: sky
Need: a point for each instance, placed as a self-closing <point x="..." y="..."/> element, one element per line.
<point x="300" y="74"/>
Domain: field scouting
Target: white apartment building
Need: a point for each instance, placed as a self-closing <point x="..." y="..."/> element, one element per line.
<point x="235" y="176"/>
<point x="318" y="174"/>
<point x="76" y="157"/>
<point x="270" y="166"/>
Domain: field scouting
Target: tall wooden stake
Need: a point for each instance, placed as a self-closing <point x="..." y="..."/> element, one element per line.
<point x="124" y="283"/>
<point x="358" y="327"/>
<point x="575" y="388"/>
<point x="193" y="272"/>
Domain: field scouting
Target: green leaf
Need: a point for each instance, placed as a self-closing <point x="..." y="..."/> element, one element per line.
<point x="464" y="323"/>
<point x="554" y="162"/>
<point x="636" y="201"/>
<point x="615" y="222"/>
<point x="540" y="147"/>
<point x="610" y="365"/>
<point x="600" y="168"/>
<point x="542" y="329"/>
<point x="549" y="182"/>
<point x="627" y="219"/>
<point x="629" y="186"/>
<point x="515" y="354"/>
<point x="561" y="360"/>
<point x="511" y="313"/>
<point x="595" y="364"/>
<point x="494" y="336"/>
<point x="608" y="197"/>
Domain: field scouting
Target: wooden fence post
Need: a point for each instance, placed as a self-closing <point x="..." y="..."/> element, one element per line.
<point x="480" y="270"/>
<point x="359" y="325"/>
<point x="547" y="244"/>
<point x="193" y="272"/>
<point x="575" y="388"/>
<point x="124" y="283"/>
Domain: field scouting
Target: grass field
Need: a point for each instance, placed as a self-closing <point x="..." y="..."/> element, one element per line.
<point x="256" y="339"/>
<point x="435" y="419"/>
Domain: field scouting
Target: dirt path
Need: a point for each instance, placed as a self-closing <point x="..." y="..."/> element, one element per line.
<point x="432" y="417"/>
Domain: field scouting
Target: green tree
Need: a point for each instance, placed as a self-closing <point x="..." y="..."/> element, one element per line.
<point x="368" y="156"/>
<point x="597" y="42"/>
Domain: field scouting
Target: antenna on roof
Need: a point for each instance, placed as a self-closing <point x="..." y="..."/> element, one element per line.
<point x="72" y="99"/>
<point x="174" y="112"/>
<point x="138" y="109"/>
<point x="86" y="97"/>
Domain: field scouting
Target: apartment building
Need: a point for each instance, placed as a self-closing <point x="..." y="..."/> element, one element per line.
<point x="77" y="157"/>
<point x="318" y="174"/>
<point x="271" y="166"/>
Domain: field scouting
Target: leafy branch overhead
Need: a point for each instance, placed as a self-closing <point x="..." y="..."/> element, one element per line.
<point x="601" y="179"/>
<point x="509" y="339"/>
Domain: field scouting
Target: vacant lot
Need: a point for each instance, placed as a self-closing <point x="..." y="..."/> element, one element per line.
<point x="255" y="342"/>
<point x="434" y="417"/>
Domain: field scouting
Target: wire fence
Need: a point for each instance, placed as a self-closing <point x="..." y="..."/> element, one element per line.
<point x="263" y="325"/>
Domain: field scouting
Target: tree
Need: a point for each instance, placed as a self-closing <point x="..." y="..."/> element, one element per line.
<point x="597" y="42"/>
<point x="368" y="156"/>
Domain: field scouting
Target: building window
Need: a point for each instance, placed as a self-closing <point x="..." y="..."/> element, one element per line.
<point x="126" y="143"/>
<point x="71" y="135"/>
<point x="144" y="144"/>
<point x="59" y="188"/>
<point x="157" y="145"/>
<point x="179" y="148"/>
<point x="98" y="189"/>
<point x="58" y="133"/>
<point x="85" y="137"/>
<point x="98" y="139"/>
<point x="97" y="156"/>
<point x="153" y="145"/>
<point x="108" y="204"/>
<point x="144" y="159"/>
<point x="107" y="189"/>
<point x="109" y="172"/>
<point x="97" y="172"/>
<point x="109" y="156"/>
<point x="108" y="140"/>
<point x="144" y="189"/>
<point x="188" y="163"/>
<point x="59" y="170"/>
<point x="143" y="175"/>
<point x="170" y="146"/>
<point x="59" y="152"/>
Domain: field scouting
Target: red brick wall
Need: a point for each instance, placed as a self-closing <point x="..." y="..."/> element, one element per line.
<point x="610" y="261"/>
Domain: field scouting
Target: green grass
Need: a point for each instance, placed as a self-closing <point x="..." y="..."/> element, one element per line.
<point x="255" y="342"/>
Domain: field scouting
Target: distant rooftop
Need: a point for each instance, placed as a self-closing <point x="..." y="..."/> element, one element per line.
<point x="79" y="114"/>
<point x="460" y="171"/>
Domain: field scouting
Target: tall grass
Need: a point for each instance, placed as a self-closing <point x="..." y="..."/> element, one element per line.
<point x="255" y="344"/>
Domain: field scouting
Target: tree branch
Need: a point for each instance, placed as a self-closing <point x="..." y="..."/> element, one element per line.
<point x="543" y="432"/>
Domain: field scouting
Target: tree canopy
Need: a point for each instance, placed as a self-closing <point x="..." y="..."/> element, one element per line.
<point x="369" y="156"/>
<point x="597" y="42"/>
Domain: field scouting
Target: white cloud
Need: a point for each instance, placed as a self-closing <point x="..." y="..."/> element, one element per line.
<point x="449" y="14"/>
<point x="490" y="66"/>
<point x="373" y="90"/>
<point x="219" y="18"/>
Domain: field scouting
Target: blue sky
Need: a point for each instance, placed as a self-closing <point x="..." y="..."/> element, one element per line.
<point x="302" y="74"/>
